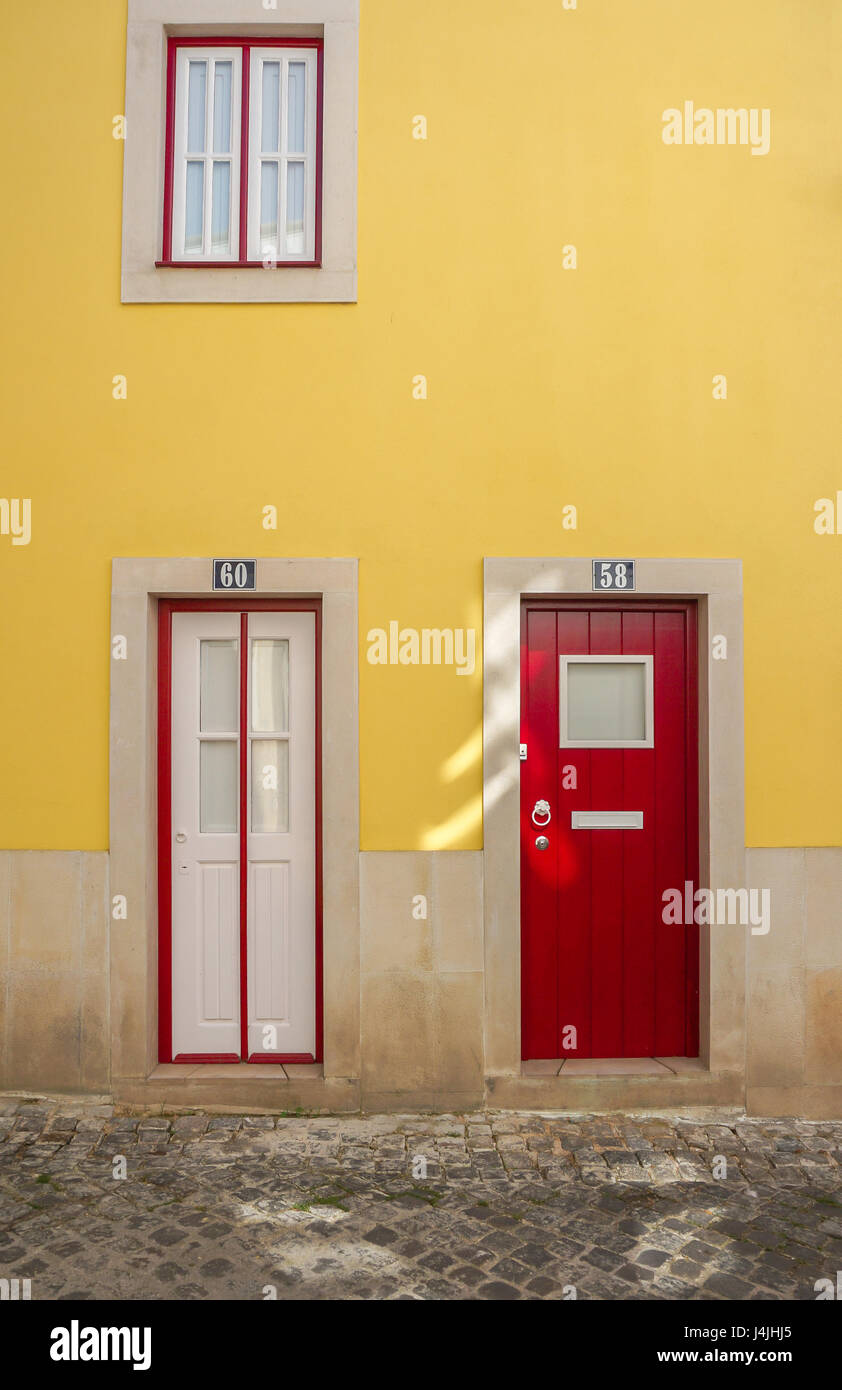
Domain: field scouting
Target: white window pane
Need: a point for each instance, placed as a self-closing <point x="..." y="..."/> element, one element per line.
<point x="296" y="97"/>
<point x="606" y="701"/>
<point x="221" y="218"/>
<point x="269" y="786"/>
<point x="219" y="687"/>
<point x="295" y="208"/>
<point x="218" y="787"/>
<point x="271" y="124"/>
<point x="222" y="108"/>
<point x="196" y="99"/>
<point x="194" y="211"/>
<point x="268" y="206"/>
<point x="270" y="685"/>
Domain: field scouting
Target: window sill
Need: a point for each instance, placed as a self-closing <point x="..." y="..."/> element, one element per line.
<point x="237" y="265"/>
<point x="201" y="283"/>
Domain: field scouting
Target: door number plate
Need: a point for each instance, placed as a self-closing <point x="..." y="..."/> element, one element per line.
<point x="233" y="576"/>
<point x="611" y="575"/>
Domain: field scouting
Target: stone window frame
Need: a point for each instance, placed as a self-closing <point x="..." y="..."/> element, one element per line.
<point x="717" y="587"/>
<point x="150" y="24"/>
<point x="137" y="585"/>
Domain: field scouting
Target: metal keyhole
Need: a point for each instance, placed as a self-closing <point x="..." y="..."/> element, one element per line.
<point x="542" y="842"/>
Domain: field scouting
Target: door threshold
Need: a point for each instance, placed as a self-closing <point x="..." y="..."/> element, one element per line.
<point x="211" y="1071"/>
<point x="612" y="1066"/>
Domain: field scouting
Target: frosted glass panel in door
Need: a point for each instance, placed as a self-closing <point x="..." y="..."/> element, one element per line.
<point x="269" y="786"/>
<point x="218" y="787"/>
<point x="270" y="685"/>
<point x="606" y="701"/>
<point x="219" y="682"/>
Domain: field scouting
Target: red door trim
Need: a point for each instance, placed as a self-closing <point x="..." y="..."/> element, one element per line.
<point x="164" y="833"/>
<point x="244" y="864"/>
<point x="587" y="603"/>
<point x="166" y="608"/>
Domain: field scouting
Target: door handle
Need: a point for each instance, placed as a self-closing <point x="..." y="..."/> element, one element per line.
<point x="180" y="836"/>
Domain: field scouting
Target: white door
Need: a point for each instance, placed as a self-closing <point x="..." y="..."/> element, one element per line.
<point x="281" y="845"/>
<point x="243" y="826"/>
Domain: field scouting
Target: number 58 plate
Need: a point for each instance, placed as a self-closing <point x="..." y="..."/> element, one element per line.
<point x="613" y="575"/>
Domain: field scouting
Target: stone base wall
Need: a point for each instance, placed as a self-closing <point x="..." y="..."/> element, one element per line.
<point x="422" y="997"/>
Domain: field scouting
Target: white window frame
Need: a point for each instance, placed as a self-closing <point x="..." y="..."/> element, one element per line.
<point x="587" y="659"/>
<point x="257" y="251"/>
<point x="182" y="155"/>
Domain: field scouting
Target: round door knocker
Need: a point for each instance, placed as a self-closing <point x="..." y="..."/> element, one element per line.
<point x="541" y="808"/>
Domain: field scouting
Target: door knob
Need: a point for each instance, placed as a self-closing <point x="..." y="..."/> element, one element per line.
<point x="181" y="837"/>
<point x="542" y="842"/>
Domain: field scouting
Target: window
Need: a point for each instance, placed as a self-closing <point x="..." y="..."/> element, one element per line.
<point x="606" y="702"/>
<point x="243" y="165"/>
<point x="242" y="135"/>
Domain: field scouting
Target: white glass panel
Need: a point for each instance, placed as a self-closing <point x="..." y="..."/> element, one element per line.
<point x="268" y="206"/>
<point x="295" y="208"/>
<point x="270" y="685"/>
<point x="271" y="125"/>
<point x="196" y="99"/>
<point x="218" y="787"/>
<point x="606" y="701"/>
<point x="194" y="211"/>
<point x="269" y="786"/>
<point x="295" y="107"/>
<point x="221" y="203"/>
<point x="219" y="686"/>
<point x="222" y="108"/>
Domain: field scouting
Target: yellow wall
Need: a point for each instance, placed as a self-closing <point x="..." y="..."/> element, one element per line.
<point x="546" y="386"/>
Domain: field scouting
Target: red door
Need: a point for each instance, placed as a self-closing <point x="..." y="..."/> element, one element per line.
<point x="609" y="719"/>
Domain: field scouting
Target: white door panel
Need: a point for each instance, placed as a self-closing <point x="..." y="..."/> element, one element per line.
<point x="281" y="834"/>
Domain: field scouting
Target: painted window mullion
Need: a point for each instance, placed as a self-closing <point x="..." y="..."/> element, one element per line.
<point x="283" y="170"/>
<point x="207" y="225"/>
<point x="245" y="171"/>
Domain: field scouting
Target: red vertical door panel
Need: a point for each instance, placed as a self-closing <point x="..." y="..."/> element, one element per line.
<point x="606" y="872"/>
<point x="574" y="922"/>
<point x="539" y="960"/>
<point x="602" y="974"/>
<point x="640" y="907"/>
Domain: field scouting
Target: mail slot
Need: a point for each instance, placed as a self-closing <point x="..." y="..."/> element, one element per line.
<point x="606" y="820"/>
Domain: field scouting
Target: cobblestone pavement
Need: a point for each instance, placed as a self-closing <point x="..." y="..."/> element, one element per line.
<point x="513" y="1205"/>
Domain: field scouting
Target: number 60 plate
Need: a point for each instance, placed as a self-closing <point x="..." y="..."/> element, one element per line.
<point x="233" y="576"/>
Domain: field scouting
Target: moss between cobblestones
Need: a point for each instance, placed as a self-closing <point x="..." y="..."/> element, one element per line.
<point x="320" y="1202"/>
<point x="422" y="1194"/>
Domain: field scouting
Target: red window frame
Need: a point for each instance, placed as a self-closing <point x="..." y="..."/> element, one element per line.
<point x="166" y="608"/>
<point x="246" y="44"/>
